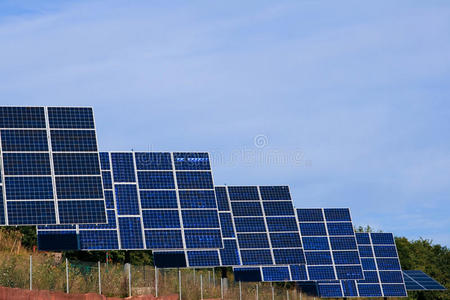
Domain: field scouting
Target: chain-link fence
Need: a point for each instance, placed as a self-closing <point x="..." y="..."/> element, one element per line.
<point x="41" y="272"/>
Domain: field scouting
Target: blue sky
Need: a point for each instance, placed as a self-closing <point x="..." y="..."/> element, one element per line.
<point x="348" y="102"/>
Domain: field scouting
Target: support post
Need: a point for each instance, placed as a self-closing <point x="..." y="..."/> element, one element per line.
<point x="99" y="278"/>
<point x="209" y="278"/>
<point x="201" y="287"/>
<point x="156" y="281"/>
<point x="179" y="282"/>
<point x="31" y="272"/>
<point x="287" y="294"/>
<point x="221" y="288"/>
<point x="273" y="291"/>
<point x="129" y="280"/>
<point x="67" y="276"/>
<point x="240" y="290"/>
<point x="257" y="292"/>
<point x="194" y="275"/>
<point x="214" y="276"/>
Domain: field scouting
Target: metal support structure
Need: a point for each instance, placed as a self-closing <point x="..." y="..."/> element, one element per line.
<point x="257" y="292"/>
<point x="221" y="288"/>
<point x="179" y="282"/>
<point x="99" y="279"/>
<point x="156" y="281"/>
<point x="129" y="280"/>
<point x="209" y="278"/>
<point x="67" y="276"/>
<point x="31" y="272"/>
<point x="240" y="290"/>
<point x="201" y="287"/>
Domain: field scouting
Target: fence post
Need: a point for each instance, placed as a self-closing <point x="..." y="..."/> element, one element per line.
<point x="257" y="292"/>
<point x="273" y="291"/>
<point x="194" y="275"/>
<point x="179" y="282"/>
<point x="31" y="272"/>
<point x="287" y="294"/>
<point x="129" y="280"/>
<point x="201" y="287"/>
<point x="99" y="279"/>
<point x="221" y="288"/>
<point x="214" y="277"/>
<point x="156" y="281"/>
<point x="67" y="276"/>
<point x="240" y="290"/>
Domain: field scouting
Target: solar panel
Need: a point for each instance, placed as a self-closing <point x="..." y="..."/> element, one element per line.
<point x="154" y="200"/>
<point x="416" y="280"/>
<point x="381" y="266"/>
<point x="50" y="166"/>
<point x="329" y="243"/>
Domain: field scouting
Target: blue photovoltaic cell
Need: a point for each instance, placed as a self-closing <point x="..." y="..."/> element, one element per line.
<point x="109" y="199"/>
<point x="203" y="258"/>
<point x="127" y="199"/>
<point x="71" y="117"/>
<point x="275" y="193"/>
<point x="246" y="209"/>
<point x="73" y="140"/>
<point x="346" y="257"/>
<point x="26" y="164"/>
<point x="363" y="238"/>
<point x="337" y="214"/>
<point x="191" y="161"/>
<point x="365" y="251"/>
<point x="230" y="253"/>
<point x="24" y="140"/>
<point x="123" y="167"/>
<point x="194" y="180"/>
<point x="276" y="274"/>
<point x="315" y="243"/>
<point x="200" y="219"/>
<point x="298" y="273"/>
<point x="155" y="180"/>
<point x="99" y="239"/>
<point x="343" y="243"/>
<point x="149" y="161"/>
<point x="256" y="257"/>
<point x="382" y="238"/>
<point x="82" y="211"/>
<point x="318" y="258"/>
<point x="85" y="187"/>
<point x="321" y="272"/>
<point x="385" y="251"/>
<point x="163" y="239"/>
<point x="158" y="199"/>
<point x="28" y="188"/>
<point x="281" y="224"/>
<point x="284" y="240"/>
<point x="130" y="233"/>
<point x="417" y="280"/>
<point x="340" y="228"/>
<point x="197" y="199"/>
<point x="288" y="256"/>
<point x="161" y="219"/>
<point x="226" y="224"/>
<point x="391" y="276"/>
<point x="243" y="193"/>
<point x="368" y="264"/>
<point x="107" y="180"/>
<point x="31" y="212"/>
<point x="76" y="163"/>
<point x="110" y="225"/>
<point x="278" y="208"/>
<point x="310" y="215"/>
<point x="2" y="208"/>
<point x="22" y="117"/>
<point x="250" y="224"/>
<point x="253" y="240"/>
<point x="221" y="197"/>
<point x="330" y="291"/>
<point x="104" y="161"/>
<point x="196" y="239"/>
<point x="313" y="229"/>
<point x="349" y="288"/>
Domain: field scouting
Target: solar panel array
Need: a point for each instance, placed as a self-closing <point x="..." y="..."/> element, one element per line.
<point x="50" y="169"/>
<point x="416" y="280"/>
<point x="382" y="271"/>
<point x="330" y="244"/>
<point x="52" y="175"/>
<point x="154" y="200"/>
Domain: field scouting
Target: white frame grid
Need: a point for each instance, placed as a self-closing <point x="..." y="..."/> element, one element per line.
<point x="52" y="174"/>
<point x="174" y="171"/>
